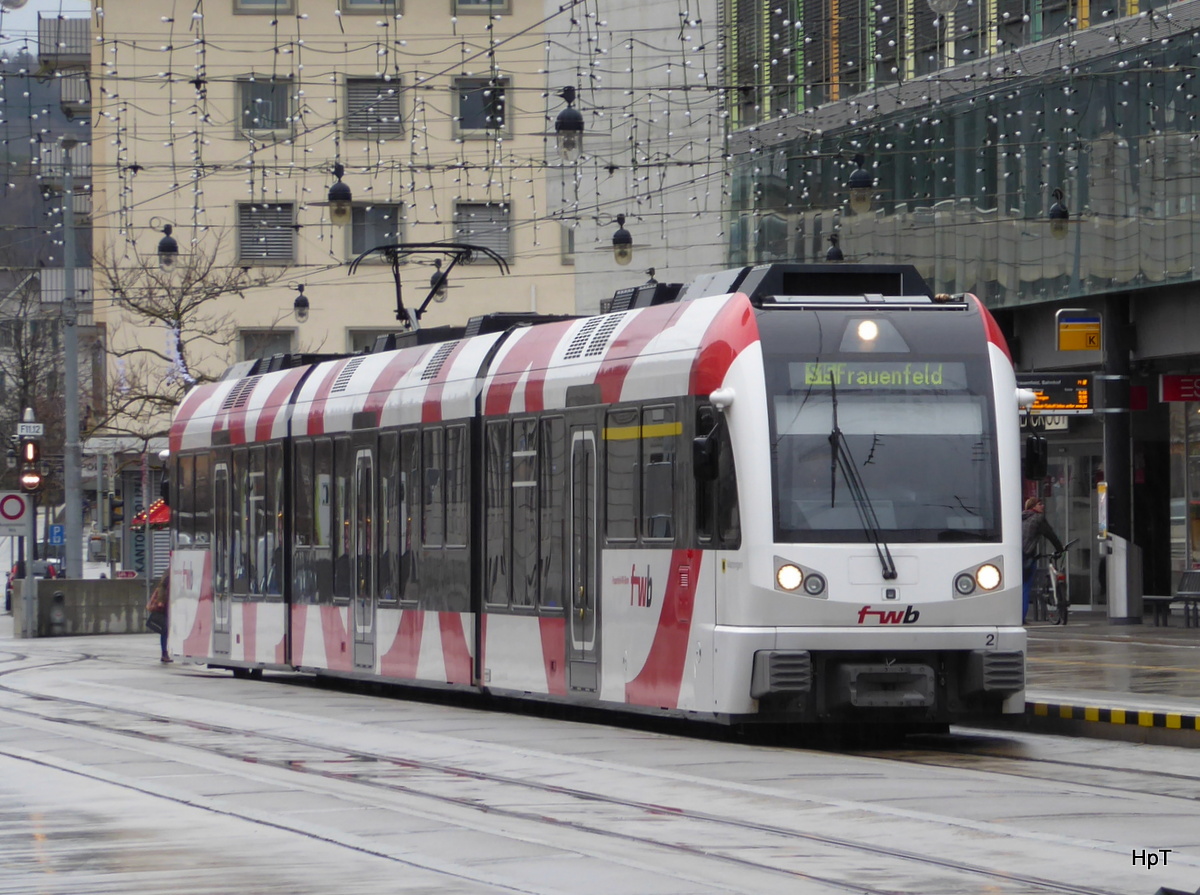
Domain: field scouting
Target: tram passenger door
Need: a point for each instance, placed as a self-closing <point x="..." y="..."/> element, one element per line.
<point x="222" y="561"/>
<point x="582" y="646"/>
<point x="365" y="521"/>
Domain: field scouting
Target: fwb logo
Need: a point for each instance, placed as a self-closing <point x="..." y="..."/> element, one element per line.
<point x="641" y="588"/>
<point x="906" y="616"/>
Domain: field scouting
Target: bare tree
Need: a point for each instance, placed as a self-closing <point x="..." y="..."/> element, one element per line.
<point x="173" y="328"/>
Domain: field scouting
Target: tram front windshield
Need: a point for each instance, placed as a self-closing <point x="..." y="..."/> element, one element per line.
<point x="904" y="439"/>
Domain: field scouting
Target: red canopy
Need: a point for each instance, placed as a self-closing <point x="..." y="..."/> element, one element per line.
<point x="159" y="513"/>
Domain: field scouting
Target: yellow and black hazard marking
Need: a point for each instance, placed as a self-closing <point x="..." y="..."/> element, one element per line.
<point x="1127" y="717"/>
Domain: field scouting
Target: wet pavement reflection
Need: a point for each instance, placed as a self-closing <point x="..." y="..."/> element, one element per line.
<point x="1090" y="654"/>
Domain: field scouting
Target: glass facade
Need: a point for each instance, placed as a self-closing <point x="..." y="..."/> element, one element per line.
<point x="966" y="162"/>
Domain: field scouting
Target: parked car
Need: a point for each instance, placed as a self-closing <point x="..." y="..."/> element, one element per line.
<point x="42" y="568"/>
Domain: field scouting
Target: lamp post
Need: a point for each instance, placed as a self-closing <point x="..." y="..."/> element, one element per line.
<point x="568" y="128"/>
<point x="942" y="9"/>
<point x="341" y="208"/>
<point x="860" y="185"/>
<point x="835" y="251"/>
<point x="622" y="243"/>
<point x="1059" y="215"/>
<point x="300" y="306"/>
<point x="72" y="460"/>
<point x="438" y="281"/>
<point x="168" y="249"/>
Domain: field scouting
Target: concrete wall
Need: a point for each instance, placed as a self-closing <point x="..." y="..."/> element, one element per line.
<point x="87" y="606"/>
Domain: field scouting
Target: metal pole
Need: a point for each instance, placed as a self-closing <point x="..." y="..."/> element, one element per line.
<point x="29" y="589"/>
<point x="146" y="510"/>
<point x="72" y="485"/>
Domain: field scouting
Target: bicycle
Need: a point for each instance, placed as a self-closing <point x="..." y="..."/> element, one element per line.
<point x="1052" y="600"/>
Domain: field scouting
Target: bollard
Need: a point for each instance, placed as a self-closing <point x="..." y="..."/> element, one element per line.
<point x="58" y="615"/>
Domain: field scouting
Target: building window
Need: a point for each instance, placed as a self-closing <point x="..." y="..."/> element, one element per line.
<point x="482" y="7"/>
<point x="264" y="106"/>
<point x="483" y="224"/>
<point x="481" y="109"/>
<point x="267" y="233"/>
<point x="390" y="7"/>
<point x="374" y="225"/>
<point x="568" y="244"/>
<point x="373" y="107"/>
<point x="262" y="7"/>
<point x="258" y="343"/>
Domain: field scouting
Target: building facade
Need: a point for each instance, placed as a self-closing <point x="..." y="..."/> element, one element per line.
<point x="1040" y="158"/>
<point x="225" y="119"/>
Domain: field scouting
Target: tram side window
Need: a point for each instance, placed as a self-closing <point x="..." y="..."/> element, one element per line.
<point x="305" y="491"/>
<point x="221" y="555"/>
<point x="364" y="539"/>
<point x="706" y="483"/>
<point x="274" y="526"/>
<point x="729" y="520"/>
<point x="343" y="509"/>
<point x="322" y="565"/>
<point x="238" y="525"/>
<point x="717" y="519"/>
<point x="660" y="434"/>
<point x="524" y="512"/>
<point x="183" y="510"/>
<point x="433" y="521"/>
<point x="497" y="510"/>
<point x="621" y="436"/>
<point x="202" y="531"/>
<point x="457" y="498"/>
<point x="256" y="518"/>
<point x="389" y="517"/>
<point x="410" y="507"/>
<point x="553" y="511"/>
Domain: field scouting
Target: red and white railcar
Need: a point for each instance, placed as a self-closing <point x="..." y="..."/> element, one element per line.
<point x="784" y="493"/>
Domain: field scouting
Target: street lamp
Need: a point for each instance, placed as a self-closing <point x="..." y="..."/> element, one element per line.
<point x="568" y="128"/>
<point x="300" y="305"/>
<point x="341" y="210"/>
<point x="1059" y="215"/>
<point x="860" y="185"/>
<point x="943" y="7"/>
<point x="168" y="249"/>
<point x="438" y="281"/>
<point x="835" y="251"/>
<point x="622" y="243"/>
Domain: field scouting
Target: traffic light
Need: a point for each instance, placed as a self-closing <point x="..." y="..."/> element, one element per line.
<point x="116" y="511"/>
<point x="31" y="475"/>
<point x="31" y="479"/>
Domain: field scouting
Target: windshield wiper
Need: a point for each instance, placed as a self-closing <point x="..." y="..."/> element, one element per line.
<point x="840" y="458"/>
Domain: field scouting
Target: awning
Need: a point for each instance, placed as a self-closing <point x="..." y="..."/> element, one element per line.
<point x="159" y="513"/>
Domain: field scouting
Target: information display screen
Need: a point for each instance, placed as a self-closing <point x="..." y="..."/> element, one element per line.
<point x="1058" y="393"/>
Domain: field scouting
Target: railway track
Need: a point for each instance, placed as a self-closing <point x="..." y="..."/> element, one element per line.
<point x="719" y="836"/>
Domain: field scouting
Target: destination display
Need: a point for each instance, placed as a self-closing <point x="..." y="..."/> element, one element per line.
<point x="920" y="376"/>
<point x="1058" y="393"/>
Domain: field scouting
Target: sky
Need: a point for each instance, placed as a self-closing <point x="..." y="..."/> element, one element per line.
<point x="19" y="25"/>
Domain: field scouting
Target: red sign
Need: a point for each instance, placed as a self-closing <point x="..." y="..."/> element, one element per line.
<point x="126" y="573"/>
<point x="1179" y="387"/>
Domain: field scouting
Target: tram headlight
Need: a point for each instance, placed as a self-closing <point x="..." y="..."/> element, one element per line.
<point x="988" y="576"/>
<point x="965" y="583"/>
<point x="814" y="584"/>
<point x="789" y="577"/>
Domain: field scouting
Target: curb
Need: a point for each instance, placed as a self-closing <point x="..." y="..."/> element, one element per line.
<point x="1126" y="717"/>
<point x="1128" y="725"/>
